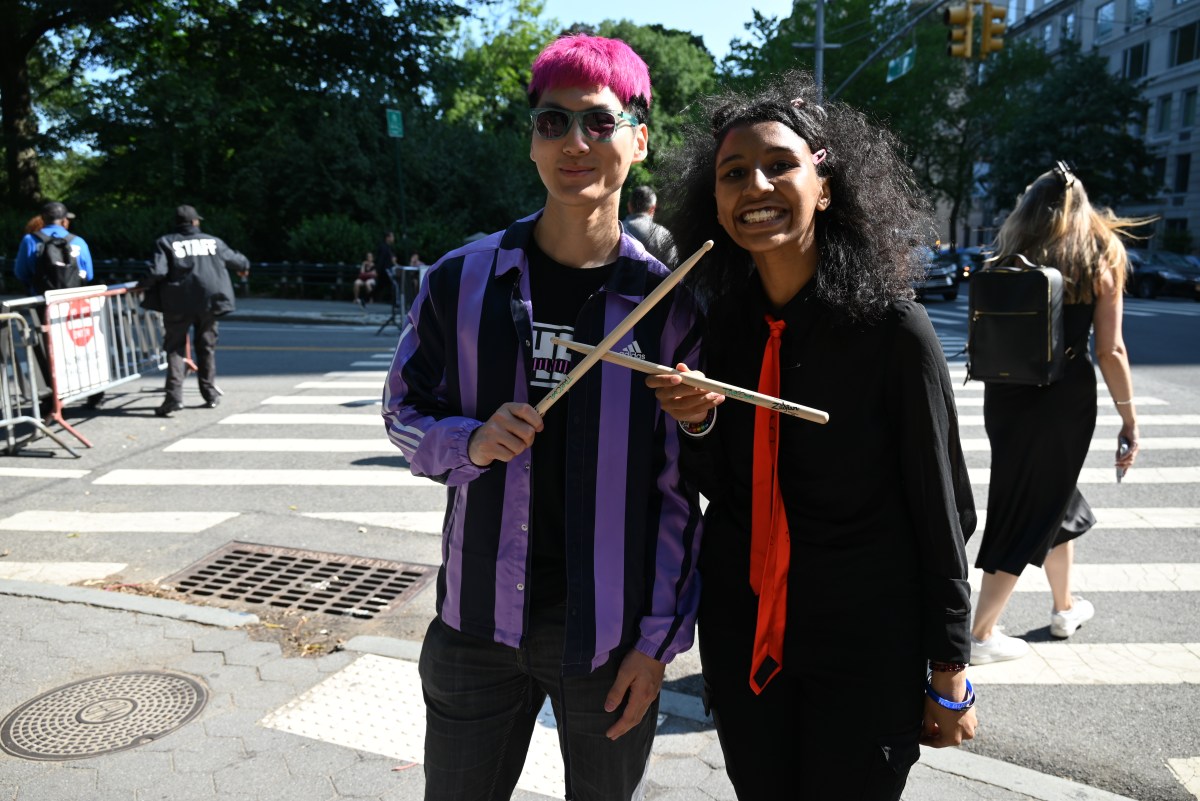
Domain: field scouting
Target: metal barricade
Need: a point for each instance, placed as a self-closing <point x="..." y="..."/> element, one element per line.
<point x="19" y="402"/>
<point x="94" y="338"/>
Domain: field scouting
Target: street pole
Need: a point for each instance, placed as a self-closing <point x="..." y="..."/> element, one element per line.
<point x="400" y="181"/>
<point x="819" y="46"/>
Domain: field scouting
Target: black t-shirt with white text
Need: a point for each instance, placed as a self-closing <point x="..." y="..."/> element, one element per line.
<point x="559" y="293"/>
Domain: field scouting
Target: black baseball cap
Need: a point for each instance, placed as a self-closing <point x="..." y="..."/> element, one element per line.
<point x="185" y="214"/>
<point x="55" y="211"/>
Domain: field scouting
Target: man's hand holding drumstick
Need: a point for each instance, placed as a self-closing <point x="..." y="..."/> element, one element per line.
<point x="506" y="435"/>
<point x="685" y="403"/>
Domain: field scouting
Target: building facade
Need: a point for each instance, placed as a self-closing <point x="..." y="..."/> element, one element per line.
<point x="1154" y="42"/>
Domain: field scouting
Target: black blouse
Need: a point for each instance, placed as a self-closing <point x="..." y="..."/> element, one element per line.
<point x="878" y="500"/>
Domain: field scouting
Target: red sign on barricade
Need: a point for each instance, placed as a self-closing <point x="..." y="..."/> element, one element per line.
<point x="77" y="339"/>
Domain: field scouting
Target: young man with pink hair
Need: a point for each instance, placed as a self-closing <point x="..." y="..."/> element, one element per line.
<point x="570" y="541"/>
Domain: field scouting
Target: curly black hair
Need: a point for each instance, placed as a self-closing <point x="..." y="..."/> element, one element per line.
<point x="868" y="237"/>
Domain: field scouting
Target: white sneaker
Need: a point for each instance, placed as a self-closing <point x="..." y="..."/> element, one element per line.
<point x="997" y="648"/>
<point x="1064" y="624"/>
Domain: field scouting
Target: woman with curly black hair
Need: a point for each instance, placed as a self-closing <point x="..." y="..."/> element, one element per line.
<point x="835" y="610"/>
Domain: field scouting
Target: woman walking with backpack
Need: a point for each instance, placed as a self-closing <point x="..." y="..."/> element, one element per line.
<point x="1040" y="435"/>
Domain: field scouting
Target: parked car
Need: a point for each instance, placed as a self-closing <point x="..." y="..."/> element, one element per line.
<point x="940" y="277"/>
<point x="1159" y="272"/>
<point x="970" y="260"/>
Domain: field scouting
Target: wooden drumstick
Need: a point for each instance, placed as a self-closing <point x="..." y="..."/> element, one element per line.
<point x="708" y="384"/>
<point x="622" y="328"/>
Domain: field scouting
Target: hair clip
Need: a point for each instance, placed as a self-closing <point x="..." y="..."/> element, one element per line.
<point x="819" y="156"/>
<point x="1064" y="173"/>
<point x="799" y="102"/>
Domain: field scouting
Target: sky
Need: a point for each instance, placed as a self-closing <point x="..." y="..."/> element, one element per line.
<point x="717" y="22"/>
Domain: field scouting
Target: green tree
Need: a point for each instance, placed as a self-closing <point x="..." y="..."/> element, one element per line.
<point x="26" y="53"/>
<point x="1038" y="109"/>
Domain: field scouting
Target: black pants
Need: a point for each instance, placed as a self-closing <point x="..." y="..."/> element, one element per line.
<point x="818" y="731"/>
<point x="204" y="344"/>
<point x="482" y="701"/>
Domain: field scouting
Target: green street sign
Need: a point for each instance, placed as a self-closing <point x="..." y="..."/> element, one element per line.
<point x="395" y="124"/>
<point x="901" y="64"/>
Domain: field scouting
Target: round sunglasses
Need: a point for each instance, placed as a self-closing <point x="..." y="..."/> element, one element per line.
<point x="599" y="125"/>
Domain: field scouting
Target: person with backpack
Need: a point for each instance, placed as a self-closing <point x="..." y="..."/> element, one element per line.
<point x="50" y="257"/>
<point x="1040" y="435"/>
<point x="53" y="257"/>
<point x="189" y="283"/>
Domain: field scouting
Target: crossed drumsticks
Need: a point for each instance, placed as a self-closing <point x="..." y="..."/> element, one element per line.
<point x="593" y="354"/>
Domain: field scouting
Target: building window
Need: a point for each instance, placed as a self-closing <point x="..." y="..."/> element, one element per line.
<point x="1162" y="119"/>
<point x="1138" y="11"/>
<point x="1048" y="37"/>
<point x="1068" y="26"/>
<point x="1135" y="61"/>
<point x="1183" y="172"/>
<point x="1104" y="20"/>
<point x="1185" y="44"/>
<point x="1158" y="173"/>
<point x="1188" y="115"/>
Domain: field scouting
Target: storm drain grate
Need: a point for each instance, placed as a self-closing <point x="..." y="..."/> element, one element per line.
<point x="311" y="581"/>
<point x="101" y="715"/>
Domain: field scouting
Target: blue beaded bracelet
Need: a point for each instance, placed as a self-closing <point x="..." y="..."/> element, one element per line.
<point x="956" y="706"/>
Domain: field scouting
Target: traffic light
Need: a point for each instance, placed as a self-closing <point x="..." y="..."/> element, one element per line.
<point x="960" y="37"/>
<point x="992" y="41"/>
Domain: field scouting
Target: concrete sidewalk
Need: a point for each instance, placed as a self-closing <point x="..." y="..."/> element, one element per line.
<point x="343" y="726"/>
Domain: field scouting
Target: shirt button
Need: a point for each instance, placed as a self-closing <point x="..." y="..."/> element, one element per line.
<point x="527" y="465"/>
<point x="524" y="527"/>
<point x="521" y="588"/>
<point x="528" y="344"/>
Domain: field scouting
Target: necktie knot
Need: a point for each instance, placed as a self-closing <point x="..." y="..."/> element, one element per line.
<point x="776" y="326"/>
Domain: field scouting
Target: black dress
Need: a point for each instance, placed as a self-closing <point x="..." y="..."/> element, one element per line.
<point x="878" y="505"/>
<point x="1039" y="438"/>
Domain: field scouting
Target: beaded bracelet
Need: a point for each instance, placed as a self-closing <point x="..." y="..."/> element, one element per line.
<point x="953" y="706"/>
<point x="947" y="667"/>
<point x="700" y="428"/>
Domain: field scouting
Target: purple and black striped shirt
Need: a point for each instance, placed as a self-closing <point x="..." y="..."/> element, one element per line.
<point x="633" y="524"/>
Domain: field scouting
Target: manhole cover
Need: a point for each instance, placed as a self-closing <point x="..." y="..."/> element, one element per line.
<point x="288" y="578"/>
<point x="101" y="715"/>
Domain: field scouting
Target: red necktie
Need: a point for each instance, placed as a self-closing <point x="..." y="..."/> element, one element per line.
<point x="770" y="543"/>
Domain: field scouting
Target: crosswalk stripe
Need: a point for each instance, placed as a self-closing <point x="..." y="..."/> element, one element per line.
<point x="380" y="374"/>
<point x="366" y="364"/>
<point x="1105" y="475"/>
<point x="320" y="400"/>
<point x="41" y="472"/>
<point x="103" y="522"/>
<point x="1100" y="401"/>
<point x="382" y="355"/>
<point x="266" y="419"/>
<point x="340" y="385"/>
<point x="1085" y="578"/>
<point x="1187" y="770"/>
<point x="266" y="478"/>
<point x="202" y="445"/>
<point x="63" y="573"/>
<point x="1112" y="420"/>
<point x="1097" y="663"/>
<point x="421" y="522"/>
<point x="1146" y="444"/>
<point x="1125" y="517"/>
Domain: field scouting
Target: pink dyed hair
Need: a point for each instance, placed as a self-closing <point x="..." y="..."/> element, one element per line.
<point x="583" y="60"/>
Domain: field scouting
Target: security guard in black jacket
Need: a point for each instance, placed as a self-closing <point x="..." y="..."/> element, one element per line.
<point x="190" y="285"/>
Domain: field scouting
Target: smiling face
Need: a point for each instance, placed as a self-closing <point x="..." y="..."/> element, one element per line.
<point x="768" y="192"/>
<point x="578" y="171"/>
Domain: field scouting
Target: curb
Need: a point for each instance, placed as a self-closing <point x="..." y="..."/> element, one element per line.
<point x="158" y="607"/>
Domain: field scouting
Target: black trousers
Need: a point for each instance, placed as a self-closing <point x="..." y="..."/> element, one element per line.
<point x="482" y="700"/>
<point x="204" y="346"/>
<point x="827" y="726"/>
